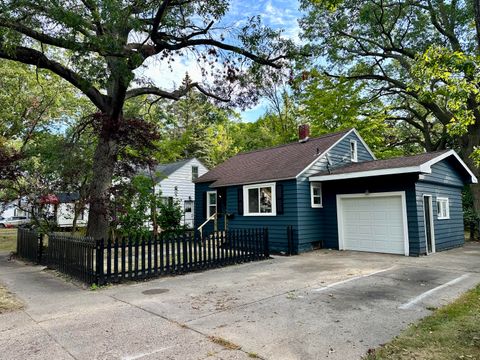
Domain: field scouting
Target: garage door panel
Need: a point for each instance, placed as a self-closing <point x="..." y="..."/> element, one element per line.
<point x="373" y="223"/>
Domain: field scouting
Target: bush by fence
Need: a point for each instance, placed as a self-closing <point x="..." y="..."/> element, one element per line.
<point x="139" y="258"/>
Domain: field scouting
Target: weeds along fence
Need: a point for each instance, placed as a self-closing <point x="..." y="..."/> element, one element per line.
<point x="138" y="258"/>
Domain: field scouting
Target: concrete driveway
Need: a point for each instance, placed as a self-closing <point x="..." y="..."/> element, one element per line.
<point x="319" y="305"/>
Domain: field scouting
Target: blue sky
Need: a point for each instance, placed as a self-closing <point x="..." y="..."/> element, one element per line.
<point x="279" y="14"/>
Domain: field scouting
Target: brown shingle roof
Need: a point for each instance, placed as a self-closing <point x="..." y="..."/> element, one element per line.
<point x="394" y="163"/>
<point x="276" y="163"/>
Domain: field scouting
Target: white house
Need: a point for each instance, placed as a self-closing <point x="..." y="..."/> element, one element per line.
<point x="60" y="208"/>
<point x="176" y="182"/>
<point x="15" y="208"/>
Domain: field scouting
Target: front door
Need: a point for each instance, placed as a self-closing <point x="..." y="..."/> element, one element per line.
<point x="428" y="221"/>
<point x="188" y="207"/>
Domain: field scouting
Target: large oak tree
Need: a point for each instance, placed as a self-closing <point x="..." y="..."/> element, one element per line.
<point x="97" y="46"/>
<point x="421" y="57"/>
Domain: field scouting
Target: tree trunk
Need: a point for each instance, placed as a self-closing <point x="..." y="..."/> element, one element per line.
<point x="476" y="8"/>
<point x="469" y="142"/>
<point x="104" y="161"/>
<point x="75" y="217"/>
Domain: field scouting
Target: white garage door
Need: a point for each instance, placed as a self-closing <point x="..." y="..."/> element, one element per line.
<point x="374" y="222"/>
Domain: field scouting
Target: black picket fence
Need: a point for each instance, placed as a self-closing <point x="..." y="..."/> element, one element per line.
<point x="140" y="258"/>
<point x="29" y="245"/>
<point x="72" y="255"/>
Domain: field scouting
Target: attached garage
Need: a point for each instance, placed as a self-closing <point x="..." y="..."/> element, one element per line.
<point x="375" y="222"/>
<point x="408" y="206"/>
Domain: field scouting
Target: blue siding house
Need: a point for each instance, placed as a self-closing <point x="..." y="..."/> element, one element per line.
<point x="334" y="193"/>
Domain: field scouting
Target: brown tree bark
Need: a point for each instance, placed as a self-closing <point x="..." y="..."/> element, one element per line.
<point x="104" y="161"/>
<point x="468" y="143"/>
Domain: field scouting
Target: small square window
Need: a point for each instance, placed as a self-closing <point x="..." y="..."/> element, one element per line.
<point x="443" y="208"/>
<point x="259" y="199"/>
<point x="316" y="195"/>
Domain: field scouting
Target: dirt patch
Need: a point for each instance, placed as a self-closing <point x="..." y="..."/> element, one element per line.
<point x="225" y="343"/>
<point x="8" y="302"/>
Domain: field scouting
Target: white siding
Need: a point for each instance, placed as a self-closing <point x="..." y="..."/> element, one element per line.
<point x="65" y="213"/>
<point x="12" y="209"/>
<point x="179" y="184"/>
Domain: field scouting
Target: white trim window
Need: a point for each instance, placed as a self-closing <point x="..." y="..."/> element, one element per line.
<point x="259" y="200"/>
<point x="316" y="195"/>
<point x="211" y="203"/>
<point x="353" y="151"/>
<point x="443" y="208"/>
<point x="194" y="172"/>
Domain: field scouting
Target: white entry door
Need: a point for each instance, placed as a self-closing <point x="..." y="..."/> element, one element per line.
<point x="188" y="211"/>
<point x="374" y="222"/>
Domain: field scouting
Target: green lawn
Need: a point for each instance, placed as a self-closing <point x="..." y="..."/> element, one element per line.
<point x="8" y="240"/>
<point x="451" y="332"/>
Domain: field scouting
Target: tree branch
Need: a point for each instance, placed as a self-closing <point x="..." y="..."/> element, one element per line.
<point x="172" y="95"/>
<point x="44" y="38"/>
<point x="34" y="57"/>
<point x="211" y="42"/>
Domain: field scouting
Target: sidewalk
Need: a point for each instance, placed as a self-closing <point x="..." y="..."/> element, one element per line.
<point x="62" y="321"/>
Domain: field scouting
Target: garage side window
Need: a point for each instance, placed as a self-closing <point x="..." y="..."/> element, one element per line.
<point x="259" y="200"/>
<point x="316" y="195"/>
<point x="443" y="208"/>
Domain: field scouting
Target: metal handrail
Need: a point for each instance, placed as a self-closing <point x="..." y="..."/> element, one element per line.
<point x="200" y="228"/>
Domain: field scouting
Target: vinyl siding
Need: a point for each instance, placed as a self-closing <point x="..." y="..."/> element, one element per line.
<point x="277" y="225"/>
<point x="200" y="205"/>
<point x="377" y="184"/>
<point x="309" y="231"/>
<point x="181" y="179"/>
<point x="179" y="184"/>
<point x="338" y="156"/>
<point x="444" y="181"/>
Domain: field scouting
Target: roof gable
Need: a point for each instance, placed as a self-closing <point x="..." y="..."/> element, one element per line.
<point x="276" y="163"/>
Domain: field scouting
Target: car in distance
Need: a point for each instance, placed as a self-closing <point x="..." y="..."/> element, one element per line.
<point x="14" y="221"/>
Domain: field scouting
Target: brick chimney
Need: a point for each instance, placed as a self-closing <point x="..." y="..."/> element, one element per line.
<point x="303" y="133"/>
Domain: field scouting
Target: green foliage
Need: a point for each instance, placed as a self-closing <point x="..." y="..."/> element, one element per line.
<point x="134" y="202"/>
<point x="331" y="105"/>
<point x="418" y="61"/>
<point x="470" y="216"/>
<point x="169" y="217"/>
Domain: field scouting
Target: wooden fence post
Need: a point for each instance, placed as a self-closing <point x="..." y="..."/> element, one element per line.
<point x="266" y="249"/>
<point x="99" y="262"/>
<point x="40" y="248"/>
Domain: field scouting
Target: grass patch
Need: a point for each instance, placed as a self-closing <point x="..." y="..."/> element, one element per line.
<point x="8" y="240"/>
<point x="451" y="332"/>
<point x="225" y="343"/>
<point x="8" y="302"/>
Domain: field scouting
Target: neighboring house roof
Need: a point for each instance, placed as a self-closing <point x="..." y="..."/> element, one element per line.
<point x="408" y="164"/>
<point x="59" y="198"/>
<point x="276" y="163"/>
<point x="170" y="168"/>
<point x="68" y="197"/>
